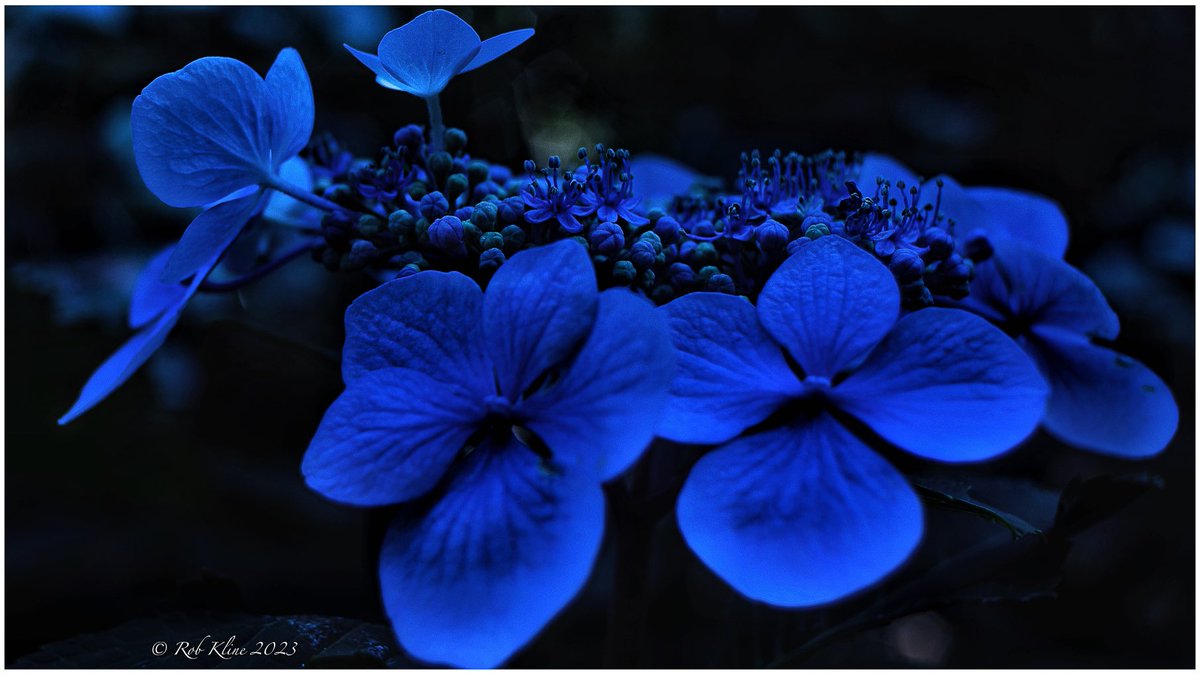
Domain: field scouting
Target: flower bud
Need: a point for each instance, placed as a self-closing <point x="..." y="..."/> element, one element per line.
<point x="623" y="272"/>
<point x="446" y="234"/>
<point x="491" y="240"/>
<point x="401" y="223"/>
<point x="434" y="205"/>
<point x="491" y="259"/>
<point x="940" y="243"/>
<point x="704" y="229"/>
<point x="456" y="184"/>
<point x="484" y="216"/>
<point x="772" y="235"/>
<point x="607" y="238"/>
<point x="906" y="265"/>
<point x="411" y="137"/>
<point x="478" y="172"/>
<point x="455" y="140"/>
<point x="704" y="254"/>
<point x="511" y="210"/>
<point x="440" y="164"/>
<point x="816" y="230"/>
<point x="362" y="253"/>
<point x="514" y="238"/>
<point x="682" y="275"/>
<point x="369" y="226"/>
<point x="667" y="229"/>
<point x="654" y="240"/>
<point x="642" y="254"/>
<point x="721" y="283"/>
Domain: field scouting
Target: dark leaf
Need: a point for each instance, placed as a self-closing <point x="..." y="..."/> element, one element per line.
<point x="963" y="493"/>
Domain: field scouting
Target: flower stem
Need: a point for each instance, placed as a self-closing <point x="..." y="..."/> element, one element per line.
<point x="436" y="130"/>
<point x="633" y="531"/>
<point x="257" y="273"/>
<point x="300" y="194"/>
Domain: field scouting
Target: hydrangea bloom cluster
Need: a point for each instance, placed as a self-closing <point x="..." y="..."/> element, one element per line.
<point x="445" y="210"/>
<point x="824" y="307"/>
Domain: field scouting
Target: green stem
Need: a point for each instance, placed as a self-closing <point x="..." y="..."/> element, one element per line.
<point x="436" y="130"/>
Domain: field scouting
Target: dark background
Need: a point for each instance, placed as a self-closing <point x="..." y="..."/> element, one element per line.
<point x="182" y="491"/>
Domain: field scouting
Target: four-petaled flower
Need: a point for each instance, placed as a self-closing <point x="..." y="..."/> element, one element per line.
<point x="213" y="134"/>
<point x="494" y="417"/>
<point x="423" y="55"/>
<point x="1100" y="400"/>
<point x="802" y="511"/>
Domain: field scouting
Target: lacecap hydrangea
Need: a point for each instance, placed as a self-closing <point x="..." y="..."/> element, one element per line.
<point x="511" y="360"/>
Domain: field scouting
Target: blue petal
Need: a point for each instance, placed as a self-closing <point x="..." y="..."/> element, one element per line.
<point x="829" y="304"/>
<point x="1022" y="284"/>
<point x="1024" y="216"/>
<point x="1006" y="214"/>
<point x="601" y="413"/>
<point x="426" y="52"/>
<point x="729" y="373"/>
<point x="881" y="166"/>
<point x="125" y="361"/>
<point x="799" y="516"/>
<point x="947" y="385"/>
<point x="429" y="322"/>
<point x="382" y="76"/>
<point x="509" y="544"/>
<point x="389" y="437"/>
<point x="151" y="297"/>
<point x="657" y="180"/>
<point x="539" y="307"/>
<point x="497" y="46"/>
<point x="290" y="102"/>
<point x="210" y="234"/>
<point x="202" y="132"/>
<point x="1104" y="401"/>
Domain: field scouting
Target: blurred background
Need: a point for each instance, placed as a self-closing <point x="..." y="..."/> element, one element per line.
<point x="182" y="493"/>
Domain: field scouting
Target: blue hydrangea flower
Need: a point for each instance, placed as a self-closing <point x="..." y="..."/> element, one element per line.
<point x="1099" y="399"/>
<point x="494" y="417"/>
<point x="423" y="55"/>
<point x="560" y="200"/>
<point x="213" y="134"/>
<point x="609" y="185"/>
<point x="802" y="511"/>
